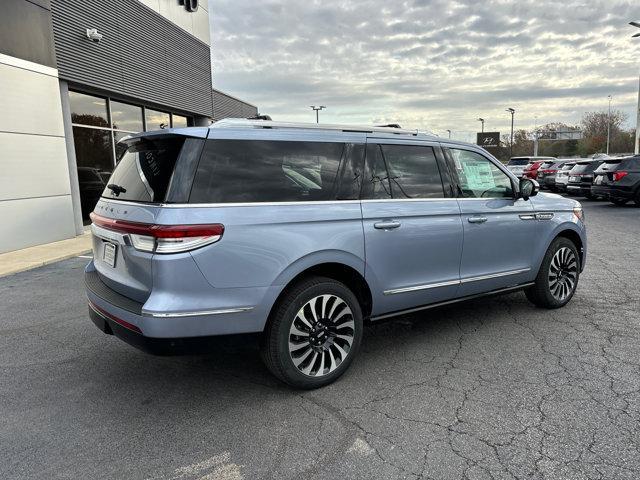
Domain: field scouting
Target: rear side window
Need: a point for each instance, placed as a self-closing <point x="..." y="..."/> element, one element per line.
<point x="630" y="164"/>
<point x="413" y="171"/>
<point x="144" y="169"/>
<point x="246" y="171"/>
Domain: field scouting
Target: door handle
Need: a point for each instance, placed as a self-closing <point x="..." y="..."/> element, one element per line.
<point x="386" y="225"/>
<point x="477" y="219"/>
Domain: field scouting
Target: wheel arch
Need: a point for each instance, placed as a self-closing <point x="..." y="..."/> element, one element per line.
<point x="339" y="270"/>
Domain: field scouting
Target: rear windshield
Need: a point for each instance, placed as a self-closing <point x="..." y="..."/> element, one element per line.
<point x="568" y="166"/>
<point x="585" y="167"/>
<point x="144" y="169"/>
<point x="240" y="171"/>
<point x="608" y="166"/>
<point x="518" y="161"/>
<point x="546" y="164"/>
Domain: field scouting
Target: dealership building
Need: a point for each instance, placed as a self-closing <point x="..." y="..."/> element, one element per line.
<point x="76" y="76"/>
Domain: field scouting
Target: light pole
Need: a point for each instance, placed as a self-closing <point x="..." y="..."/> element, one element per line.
<point x="512" y="112"/>
<point x="636" y="149"/>
<point x="317" y="110"/>
<point x="609" y="125"/>
<point x="449" y="133"/>
<point x="482" y="120"/>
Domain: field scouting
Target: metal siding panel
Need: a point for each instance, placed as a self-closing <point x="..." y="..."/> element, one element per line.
<point x="142" y="55"/>
<point x="225" y="106"/>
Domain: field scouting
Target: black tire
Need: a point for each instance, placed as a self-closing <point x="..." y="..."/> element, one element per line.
<point x="542" y="294"/>
<point x="285" y="319"/>
<point x="621" y="202"/>
<point x="636" y="198"/>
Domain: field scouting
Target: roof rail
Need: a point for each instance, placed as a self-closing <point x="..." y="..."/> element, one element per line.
<point x="251" y="123"/>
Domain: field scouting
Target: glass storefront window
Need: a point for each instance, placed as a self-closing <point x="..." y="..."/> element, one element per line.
<point x="88" y="110"/>
<point x="157" y="120"/>
<point x="94" y="153"/>
<point x="178" y="121"/>
<point x="126" y="117"/>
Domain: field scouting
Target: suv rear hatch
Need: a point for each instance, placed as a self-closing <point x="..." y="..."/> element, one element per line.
<point x="603" y="175"/>
<point x="152" y="169"/>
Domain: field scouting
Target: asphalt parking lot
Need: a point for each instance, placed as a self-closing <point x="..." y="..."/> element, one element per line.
<point x="493" y="389"/>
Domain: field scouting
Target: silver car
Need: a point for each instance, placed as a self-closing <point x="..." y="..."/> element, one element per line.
<point x="304" y="232"/>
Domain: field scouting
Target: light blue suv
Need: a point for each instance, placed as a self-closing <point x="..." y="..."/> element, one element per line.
<point x="303" y="232"/>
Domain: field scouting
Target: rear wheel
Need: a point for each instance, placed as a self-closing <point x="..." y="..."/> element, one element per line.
<point x="619" y="201"/>
<point x="636" y="198"/>
<point x="313" y="334"/>
<point x="558" y="276"/>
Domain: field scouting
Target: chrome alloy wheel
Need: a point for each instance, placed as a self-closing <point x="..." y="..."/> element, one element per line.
<point x="321" y="335"/>
<point x="563" y="273"/>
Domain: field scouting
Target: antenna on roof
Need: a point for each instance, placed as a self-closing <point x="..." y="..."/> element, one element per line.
<point x="390" y="125"/>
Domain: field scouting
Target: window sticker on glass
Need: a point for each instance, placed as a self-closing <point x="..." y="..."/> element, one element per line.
<point x="478" y="175"/>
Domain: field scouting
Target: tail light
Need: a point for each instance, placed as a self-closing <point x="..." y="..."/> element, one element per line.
<point x="617" y="176"/>
<point x="149" y="237"/>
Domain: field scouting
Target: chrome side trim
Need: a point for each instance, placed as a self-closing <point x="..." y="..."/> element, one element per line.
<point x="544" y="215"/>
<point x="528" y="216"/>
<point x="222" y="311"/>
<point x="454" y="282"/>
<point x="421" y="287"/>
<point x="449" y="302"/>
<point x="494" y="275"/>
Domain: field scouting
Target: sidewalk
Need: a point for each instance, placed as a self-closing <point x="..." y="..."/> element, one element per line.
<point x="33" y="257"/>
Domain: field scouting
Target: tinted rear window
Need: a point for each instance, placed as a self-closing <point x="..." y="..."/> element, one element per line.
<point x="608" y="166"/>
<point x="585" y="167"/>
<point x="240" y="171"/>
<point x="144" y="169"/>
<point x="518" y="161"/>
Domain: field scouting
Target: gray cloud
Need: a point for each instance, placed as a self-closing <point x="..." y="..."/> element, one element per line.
<point x="433" y="64"/>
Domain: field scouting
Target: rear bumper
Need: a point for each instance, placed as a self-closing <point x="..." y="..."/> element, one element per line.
<point x="621" y="193"/>
<point x="578" y="189"/>
<point x="600" y="191"/>
<point x="170" y="333"/>
<point x="154" y="346"/>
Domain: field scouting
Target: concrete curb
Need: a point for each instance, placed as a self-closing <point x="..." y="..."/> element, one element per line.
<point x="40" y="255"/>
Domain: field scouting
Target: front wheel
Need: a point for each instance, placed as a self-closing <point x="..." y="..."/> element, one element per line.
<point x="620" y="202"/>
<point x="313" y="334"/>
<point x="558" y="277"/>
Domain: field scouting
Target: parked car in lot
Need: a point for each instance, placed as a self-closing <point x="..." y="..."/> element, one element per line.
<point x="562" y="176"/>
<point x="547" y="174"/>
<point x="618" y="180"/>
<point x="581" y="178"/>
<point x="302" y="232"/>
<point x="518" y="165"/>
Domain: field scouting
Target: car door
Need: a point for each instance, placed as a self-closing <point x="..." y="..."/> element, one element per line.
<point x="500" y="231"/>
<point x="412" y="227"/>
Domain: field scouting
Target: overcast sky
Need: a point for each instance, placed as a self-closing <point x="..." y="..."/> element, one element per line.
<point x="428" y="64"/>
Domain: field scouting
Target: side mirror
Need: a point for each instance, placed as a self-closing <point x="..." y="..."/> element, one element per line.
<point x="528" y="188"/>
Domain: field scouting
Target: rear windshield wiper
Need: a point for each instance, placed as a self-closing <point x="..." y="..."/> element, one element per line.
<point x="116" y="189"/>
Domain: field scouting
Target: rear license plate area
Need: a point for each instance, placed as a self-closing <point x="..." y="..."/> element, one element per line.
<point x="109" y="253"/>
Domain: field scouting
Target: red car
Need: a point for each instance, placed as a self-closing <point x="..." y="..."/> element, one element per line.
<point x="531" y="171"/>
